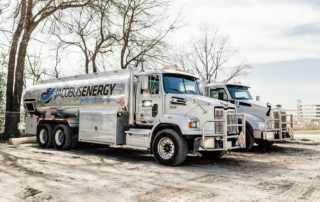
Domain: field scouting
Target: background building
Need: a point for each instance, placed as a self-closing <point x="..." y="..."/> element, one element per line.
<point x="308" y="115"/>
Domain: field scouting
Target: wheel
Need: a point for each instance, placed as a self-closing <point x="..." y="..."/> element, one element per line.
<point x="62" y="137"/>
<point x="169" y="148"/>
<point x="212" y="154"/>
<point x="265" y="143"/>
<point x="45" y="136"/>
<point x="249" y="140"/>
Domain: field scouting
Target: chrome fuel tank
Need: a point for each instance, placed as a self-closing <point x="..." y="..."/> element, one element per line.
<point x="66" y="96"/>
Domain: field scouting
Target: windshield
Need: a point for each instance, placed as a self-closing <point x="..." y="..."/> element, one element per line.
<point x="180" y="84"/>
<point x="239" y="92"/>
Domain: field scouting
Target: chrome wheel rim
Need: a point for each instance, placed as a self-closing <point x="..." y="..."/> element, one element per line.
<point x="59" y="136"/>
<point x="166" y="148"/>
<point x="43" y="136"/>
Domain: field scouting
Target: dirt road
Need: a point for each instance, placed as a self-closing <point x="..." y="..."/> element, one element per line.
<point x="285" y="172"/>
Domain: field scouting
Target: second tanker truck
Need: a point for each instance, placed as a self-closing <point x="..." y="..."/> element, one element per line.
<point x="155" y="110"/>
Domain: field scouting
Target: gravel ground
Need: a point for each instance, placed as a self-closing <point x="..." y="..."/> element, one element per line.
<point x="284" y="172"/>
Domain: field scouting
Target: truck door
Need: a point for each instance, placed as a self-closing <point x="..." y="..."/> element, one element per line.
<point x="150" y="104"/>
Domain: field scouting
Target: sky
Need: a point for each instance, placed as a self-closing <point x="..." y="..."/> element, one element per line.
<point x="279" y="38"/>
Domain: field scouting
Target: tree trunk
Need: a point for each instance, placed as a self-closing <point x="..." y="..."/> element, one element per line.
<point x="11" y="118"/>
<point x="94" y="67"/>
<point x="87" y="66"/>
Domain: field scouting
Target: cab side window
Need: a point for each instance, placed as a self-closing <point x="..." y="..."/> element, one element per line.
<point x="214" y="93"/>
<point x="153" y="85"/>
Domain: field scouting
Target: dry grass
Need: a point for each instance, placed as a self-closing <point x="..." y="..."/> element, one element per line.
<point x="308" y="132"/>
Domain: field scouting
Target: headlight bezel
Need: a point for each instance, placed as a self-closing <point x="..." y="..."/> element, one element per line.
<point x="262" y="125"/>
<point x="193" y="124"/>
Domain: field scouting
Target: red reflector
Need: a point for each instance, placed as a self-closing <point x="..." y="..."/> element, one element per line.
<point x="43" y="119"/>
<point x="53" y="119"/>
<point x="65" y="119"/>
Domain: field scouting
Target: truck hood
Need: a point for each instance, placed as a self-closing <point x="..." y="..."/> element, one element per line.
<point x="255" y="103"/>
<point x="204" y="100"/>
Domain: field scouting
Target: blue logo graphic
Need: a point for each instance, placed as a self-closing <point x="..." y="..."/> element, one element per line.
<point x="46" y="97"/>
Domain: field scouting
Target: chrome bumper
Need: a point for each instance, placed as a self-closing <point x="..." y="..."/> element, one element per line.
<point x="272" y="135"/>
<point x="216" y="145"/>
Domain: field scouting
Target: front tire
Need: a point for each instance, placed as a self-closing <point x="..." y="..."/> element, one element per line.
<point x="169" y="148"/>
<point x="45" y="136"/>
<point x="62" y="137"/>
<point x="249" y="140"/>
<point x="212" y="154"/>
<point x="265" y="144"/>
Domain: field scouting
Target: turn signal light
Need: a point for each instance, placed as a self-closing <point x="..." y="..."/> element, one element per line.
<point x="193" y="124"/>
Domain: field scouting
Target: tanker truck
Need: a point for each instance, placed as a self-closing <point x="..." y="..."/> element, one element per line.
<point x="159" y="111"/>
<point x="265" y="123"/>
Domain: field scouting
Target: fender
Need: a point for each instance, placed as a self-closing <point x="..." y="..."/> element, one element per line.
<point x="177" y="122"/>
<point x="252" y="121"/>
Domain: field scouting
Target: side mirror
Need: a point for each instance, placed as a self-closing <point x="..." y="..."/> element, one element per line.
<point x="144" y="82"/>
<point x="268" y="104"/>
<point x="258" y="98"/>
<point x="220" y="96"/>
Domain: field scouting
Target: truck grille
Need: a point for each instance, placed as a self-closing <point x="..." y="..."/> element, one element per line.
<point x="275" y="124"/>
<point x="232" y="119"/>
<point x="276" y="115"/>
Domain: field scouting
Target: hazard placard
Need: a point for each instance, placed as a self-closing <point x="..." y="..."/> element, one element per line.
<point x="241" y="140"/>
<point x="291" y="133"/>
<point x="121" y="102"/>
<point x="48" y="113"/>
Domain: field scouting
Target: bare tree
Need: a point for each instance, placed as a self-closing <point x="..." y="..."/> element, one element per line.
<point x="210" y="52"/>
<point x="180" y="58"/>
<point x="90" y="28"/>
<point x="30" y="14"/>
<point x="143" y="27"/>
<point x="34" y="70"/>
<point x="56" y="71"/>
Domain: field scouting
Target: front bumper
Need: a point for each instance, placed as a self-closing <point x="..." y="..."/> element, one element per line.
<point x="271" y="135"/>
<point x="216" y="144"/>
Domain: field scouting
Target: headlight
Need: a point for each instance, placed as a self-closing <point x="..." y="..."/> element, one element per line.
<point x="193" y="124"/>
<point x="261" y="125"/>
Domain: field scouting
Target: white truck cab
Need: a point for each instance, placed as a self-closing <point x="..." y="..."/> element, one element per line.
<point x="265" y="123"/>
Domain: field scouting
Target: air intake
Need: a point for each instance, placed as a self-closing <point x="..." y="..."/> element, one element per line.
<point x="178" y="101"/>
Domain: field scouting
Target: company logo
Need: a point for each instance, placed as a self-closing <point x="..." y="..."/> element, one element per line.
<point x="46" y="96"/>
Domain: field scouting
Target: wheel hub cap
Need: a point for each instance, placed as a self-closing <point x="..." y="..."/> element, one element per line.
<point x="59" y="136"/>
<point x="166" y="148"/>
<point x="43" y="136"/>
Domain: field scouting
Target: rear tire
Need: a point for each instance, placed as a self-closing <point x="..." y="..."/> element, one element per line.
<point x="62" y="137"/>
<point x="45" y="136"/>
<point x="212" y="154"/>
<point x="265" y="144"/>
<point x="169" y="148"/>
<point x="249" y="140"/>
